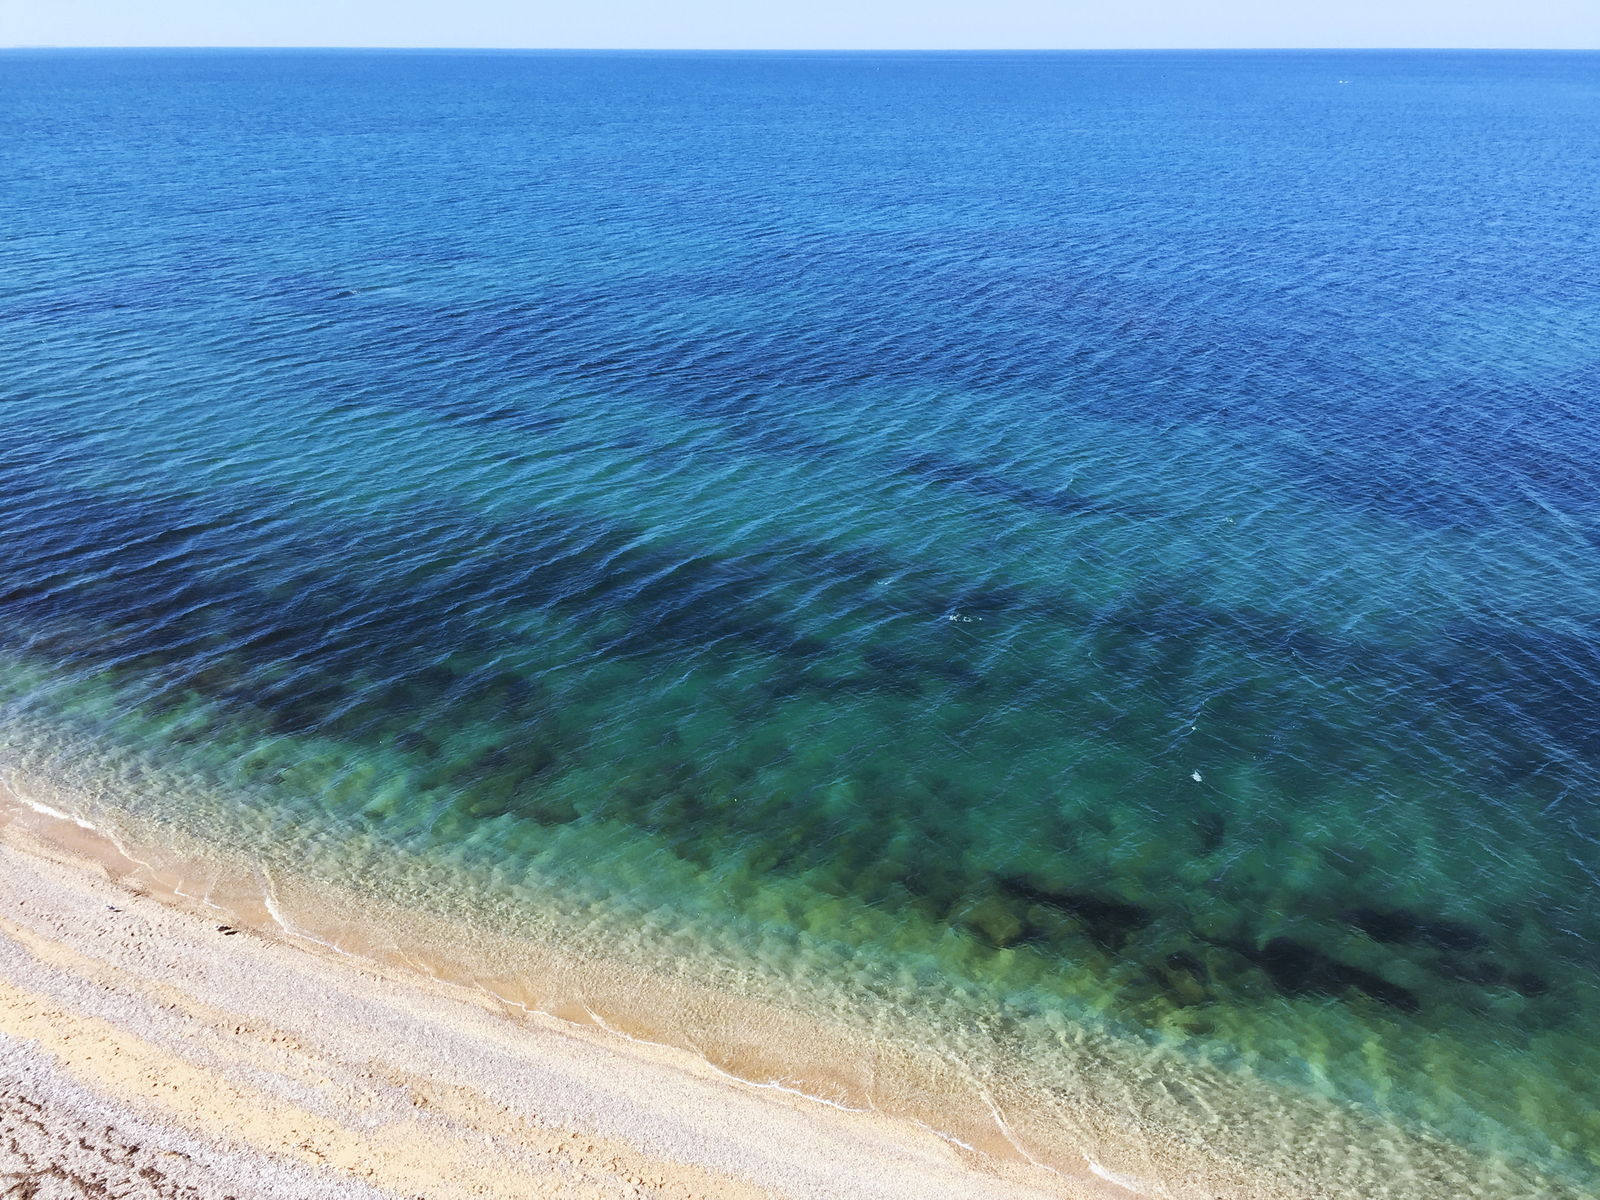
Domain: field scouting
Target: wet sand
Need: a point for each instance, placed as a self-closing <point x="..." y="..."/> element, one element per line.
<point x="148" y="1052"/>
<point x="173" y="1024"/>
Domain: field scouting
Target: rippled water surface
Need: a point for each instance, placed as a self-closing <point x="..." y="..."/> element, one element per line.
<point x="1105" y="535"/>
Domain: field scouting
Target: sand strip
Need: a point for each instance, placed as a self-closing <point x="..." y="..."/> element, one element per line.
<point x="289" y="1037"/>
<point x="143" y="1051"/>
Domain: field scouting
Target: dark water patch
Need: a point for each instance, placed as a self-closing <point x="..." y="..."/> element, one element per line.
<point x="300" y="599"/>
<point x="554" y="338"/>
<point x="1486" y="973"/>
<point x="1459" y="453"/>
<point x="1527" y="680"/>
<point x="1529" y="983"/>
<point x="686" y="600"/>
<point x="1297" y="969"/>
<point x="505" y="780"/>
<point x="302" y="633"/>
<point x="931" y="468"/>
<point x="1110" y="922"/>
<point x="1476" y="971"/>
<point x="1212" y="830"/>
<point x="1404" y="926"/>
<point x="1188" y="963"/>
<point x="1184" y="978"/>
<point x="158" y="294"/>
<point x="1411" y="469"/>
<point x="903" y="672"/>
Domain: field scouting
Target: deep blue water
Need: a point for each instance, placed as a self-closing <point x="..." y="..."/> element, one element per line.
<point x="1118" y="532"/>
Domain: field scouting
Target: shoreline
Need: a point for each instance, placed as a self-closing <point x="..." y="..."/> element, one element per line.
<point x="252" y="1058"/>
<point x="732" y="1114"/>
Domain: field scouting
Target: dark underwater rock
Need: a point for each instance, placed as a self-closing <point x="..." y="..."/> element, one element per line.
<point x="1482" y="972"/>
<point x="1108" y="922"/>
<point x="996" y="920"/>
<point x="1184" y="977"/>
<point x="1528" y="983"/>
<point x="1212" y="828"/>
<point x="1402" y="925"/>
<point x="1300" y="970"/>
<point x="1182" y="960"/>
<point x="1476" y="971"/>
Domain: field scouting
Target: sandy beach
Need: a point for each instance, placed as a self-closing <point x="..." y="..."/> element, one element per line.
<point x="166" y="1030"/>
<point x="146" y="1051"/>
<point x="748" y="622"/>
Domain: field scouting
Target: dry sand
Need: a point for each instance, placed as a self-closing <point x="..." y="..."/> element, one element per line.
<point x="179" y="1031"/>
<point x="146" y="1052"/>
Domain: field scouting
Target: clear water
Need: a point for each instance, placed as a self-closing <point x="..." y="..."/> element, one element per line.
<point x="1109" y="537"/>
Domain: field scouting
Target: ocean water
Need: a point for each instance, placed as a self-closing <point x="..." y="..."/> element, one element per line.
<point x="1110" y="539"/>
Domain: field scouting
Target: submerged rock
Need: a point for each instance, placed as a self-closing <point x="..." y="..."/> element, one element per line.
<point x="995" y="919"/>
<point x="1184" y="978"/>
<point x="1402" y="925"/>
<point x="1469" y="970"/>
<point x="1486" y="973"/>
<point x="1212" y="828"/>
<point x="1300" y="970"/>
<point x="1528" y="983"/>
<point x="1108" y="922"/>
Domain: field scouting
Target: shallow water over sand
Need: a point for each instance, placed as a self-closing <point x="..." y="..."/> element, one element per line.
<point x="1084" y="547"/>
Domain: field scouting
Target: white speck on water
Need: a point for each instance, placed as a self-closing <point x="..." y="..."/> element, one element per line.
<point x="1195" y="777"/>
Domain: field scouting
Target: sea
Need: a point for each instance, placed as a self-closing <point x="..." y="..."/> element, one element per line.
<point x="1053" y="560"/>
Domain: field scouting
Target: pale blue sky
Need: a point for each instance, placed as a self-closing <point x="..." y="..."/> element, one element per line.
<point x="803" y="24"/>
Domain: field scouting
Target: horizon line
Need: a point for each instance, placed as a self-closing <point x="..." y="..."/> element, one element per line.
<point x="1462" y="49"/>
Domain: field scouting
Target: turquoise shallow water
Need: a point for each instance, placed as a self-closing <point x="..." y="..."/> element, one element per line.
<point x="1111" y="536"/>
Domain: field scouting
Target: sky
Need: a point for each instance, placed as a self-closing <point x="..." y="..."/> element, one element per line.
<point x="806" y="24"/>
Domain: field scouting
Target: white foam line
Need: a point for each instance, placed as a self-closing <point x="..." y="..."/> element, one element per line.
<point x="1128" y="1183"/>
<point x="108" y="834"/>
<point x="424" y="969"/>
<point x="1005" y="1131"/>
<point x="271" y="902"/>
<point x="47" y="811"/>
<point x="57" y="814"/>
<point x="949" y="1137"/>
<point x="123" y="850"/>
<point x="270" y="899"/>
<point x="593" y="1016"/>
<point x="532" y="1012"/>
<point x="601" y="1021"/>
<point x="772" y="1085"/>
<point x="139" y="862"/>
